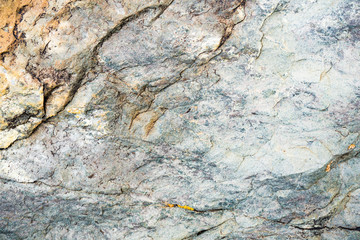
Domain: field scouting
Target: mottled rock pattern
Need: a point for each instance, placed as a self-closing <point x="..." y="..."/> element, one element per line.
<point x="244" y="113"/>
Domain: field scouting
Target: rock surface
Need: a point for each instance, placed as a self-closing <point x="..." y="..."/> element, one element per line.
<point x="169" y="119"/>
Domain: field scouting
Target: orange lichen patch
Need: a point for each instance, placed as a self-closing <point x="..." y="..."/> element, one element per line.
<point x="352" y="146"/>
<point x="328" y="167"/>
<point x="10" y="15"/>
<point x="11" y="12"/>
<point x="7" y="22"/>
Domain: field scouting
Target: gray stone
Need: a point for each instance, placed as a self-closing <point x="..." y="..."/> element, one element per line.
<point x="178" y="119"/>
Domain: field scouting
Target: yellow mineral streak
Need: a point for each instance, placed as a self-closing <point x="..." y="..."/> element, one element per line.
<point x="180" y="206"/>
<point x="186" y="207"/>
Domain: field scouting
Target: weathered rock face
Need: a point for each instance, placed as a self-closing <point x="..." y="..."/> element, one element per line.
<point x="205" y="119"/>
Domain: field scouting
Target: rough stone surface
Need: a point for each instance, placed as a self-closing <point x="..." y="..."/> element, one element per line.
<point x="179" y="119"/>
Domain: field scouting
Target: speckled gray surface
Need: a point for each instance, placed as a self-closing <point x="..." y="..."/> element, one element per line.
<point x="180" y="119"/>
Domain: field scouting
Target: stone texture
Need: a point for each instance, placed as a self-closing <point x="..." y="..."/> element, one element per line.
<point x="186" y="119"/>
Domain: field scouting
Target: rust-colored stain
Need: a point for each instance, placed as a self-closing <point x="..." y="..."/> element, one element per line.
<point x="352" y="146"/>
<point x="149" y="127"/>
